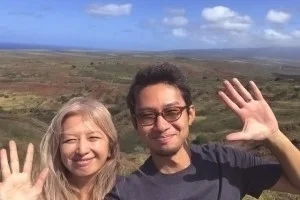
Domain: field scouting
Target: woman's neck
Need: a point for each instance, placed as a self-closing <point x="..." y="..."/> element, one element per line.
<point x="83" y="184"/>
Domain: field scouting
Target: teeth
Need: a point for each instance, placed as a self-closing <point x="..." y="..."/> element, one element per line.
<point x="82" y="161"/>
<point x="165" y="136"/>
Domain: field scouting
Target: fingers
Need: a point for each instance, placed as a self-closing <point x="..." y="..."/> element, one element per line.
<point x="256" y="91"/>
<point x="242" y="90"/>
<point x="5" y="170"/>
<point x="238" y="136"/>
<point x="14" y="160"/>
<point x="239" y="94"/>
<point x="229" y="102"/>
<point x="233" y="94"/>
<point x="41" y="180"/>
<point x="236" y="96"/>
<point x="29" y="159"/>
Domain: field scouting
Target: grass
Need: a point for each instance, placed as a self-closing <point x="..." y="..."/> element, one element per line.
<point x="18" y="101"/>
<point x="271" y="195"/>
<point x="110" y="73"/>
<point x="23" y="130"/>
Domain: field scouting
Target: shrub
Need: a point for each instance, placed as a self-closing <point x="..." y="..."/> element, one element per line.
<point x="200" y="139"/>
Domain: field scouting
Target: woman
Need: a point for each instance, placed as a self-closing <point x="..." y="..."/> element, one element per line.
<point x="79" y="157"/>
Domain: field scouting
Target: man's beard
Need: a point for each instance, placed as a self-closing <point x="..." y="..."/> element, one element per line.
<point x="168" y="152"/>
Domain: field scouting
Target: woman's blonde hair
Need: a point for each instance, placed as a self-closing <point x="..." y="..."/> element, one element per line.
<point x="57" y="186"/>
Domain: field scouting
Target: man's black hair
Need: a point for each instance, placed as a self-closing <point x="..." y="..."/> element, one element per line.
<point x="164" y="73"/>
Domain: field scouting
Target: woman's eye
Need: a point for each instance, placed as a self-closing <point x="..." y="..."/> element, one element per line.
<point x="93" y="139"/>
<point x="70" y="141"/>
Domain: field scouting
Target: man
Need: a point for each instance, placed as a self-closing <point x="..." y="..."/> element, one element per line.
<point x="160" y="103"/>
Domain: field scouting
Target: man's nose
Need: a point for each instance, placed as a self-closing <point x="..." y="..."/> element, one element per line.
<point x="161" y="124"/>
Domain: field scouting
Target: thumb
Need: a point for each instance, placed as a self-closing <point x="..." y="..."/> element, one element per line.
<point x="41" y="180"/>
<point x="237" y="136"/>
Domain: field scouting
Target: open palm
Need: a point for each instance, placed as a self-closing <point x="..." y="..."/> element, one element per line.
<point x="255" y="113"/>
<point x="17" y="185"/>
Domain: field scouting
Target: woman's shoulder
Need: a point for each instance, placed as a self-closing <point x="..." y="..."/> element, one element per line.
<point x="119" y="178"/>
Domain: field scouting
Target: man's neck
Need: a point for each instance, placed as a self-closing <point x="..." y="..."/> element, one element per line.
<point x="175" y="163"/>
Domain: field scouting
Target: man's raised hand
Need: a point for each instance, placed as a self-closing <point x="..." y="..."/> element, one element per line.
<point x="259" y="122"/>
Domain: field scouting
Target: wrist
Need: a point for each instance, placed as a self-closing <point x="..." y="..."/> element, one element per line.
<point x="274" y="138"/>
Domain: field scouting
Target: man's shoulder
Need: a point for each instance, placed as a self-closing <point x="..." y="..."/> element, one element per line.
<point x="135" y="178"/>
<point x="128" y="187"/>
<point x="213" y="147"/>
<point x="130" y="178"/>
<point x="205" y="148"/>
<point x="208" y="151"/>
<point x="218" y="153"/>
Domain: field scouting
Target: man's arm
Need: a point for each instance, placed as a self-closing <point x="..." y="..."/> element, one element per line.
<point x="260" y="124"/>
<point x="284" y="185"/>
<point x="289" y="158"/>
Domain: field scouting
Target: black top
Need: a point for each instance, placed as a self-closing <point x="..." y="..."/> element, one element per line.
<point x="216" y="172"/>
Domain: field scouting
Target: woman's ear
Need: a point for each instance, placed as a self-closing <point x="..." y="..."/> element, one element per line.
<point x="109" y="152"/>
<point x="191" y="113"/>
<point x="133" y="121"/>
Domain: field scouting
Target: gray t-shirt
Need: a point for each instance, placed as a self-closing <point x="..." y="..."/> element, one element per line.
<point x="216" y="172"/>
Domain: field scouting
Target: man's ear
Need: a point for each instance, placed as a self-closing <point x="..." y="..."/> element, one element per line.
<point x="191" y="113"/>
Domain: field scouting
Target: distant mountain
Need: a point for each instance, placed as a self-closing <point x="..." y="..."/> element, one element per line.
<point x="276" y="53"/>
<point x="280" y="53"/>
<point x="24" y="46"/>
<point x="20" y="46"/>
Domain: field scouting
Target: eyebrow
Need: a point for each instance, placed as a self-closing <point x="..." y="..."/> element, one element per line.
<point x="165" y="106"/>
<point x="89" y="133"/>
<point x="171" y="104"/>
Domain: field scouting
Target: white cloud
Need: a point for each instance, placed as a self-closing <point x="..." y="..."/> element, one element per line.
<point x="221" y="13"/>
<point x="296" y="33"/>
<point x="271" y="34"/>
<point x="228" y="25"/>
<point x="224" y="18"/>
<point x="176" y="11"/>
<point x="278" y="16"/>
<point x="179" y="32"/>
<point x="110" y="9"/>
<point x="208" y="40"/>
<point x="217" y="13"/>
<point x="175" y="21"/>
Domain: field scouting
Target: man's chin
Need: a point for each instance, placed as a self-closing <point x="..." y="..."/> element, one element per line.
<point x="165" y="151"/>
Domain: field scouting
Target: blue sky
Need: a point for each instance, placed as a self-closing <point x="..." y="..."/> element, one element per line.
<point x="151" y="24"/>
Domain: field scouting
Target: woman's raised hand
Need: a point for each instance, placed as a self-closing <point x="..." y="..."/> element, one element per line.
<point x="17" y="185"/>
